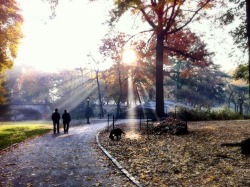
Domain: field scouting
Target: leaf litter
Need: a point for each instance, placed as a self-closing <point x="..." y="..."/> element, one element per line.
<point x="194" y="159"/>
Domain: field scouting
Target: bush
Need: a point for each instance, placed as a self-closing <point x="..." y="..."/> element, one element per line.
<point x="199" y="115"/>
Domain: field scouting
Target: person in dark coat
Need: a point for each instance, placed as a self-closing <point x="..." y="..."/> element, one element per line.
<point x="56" y="118"/>
<point x="66" y="119"/>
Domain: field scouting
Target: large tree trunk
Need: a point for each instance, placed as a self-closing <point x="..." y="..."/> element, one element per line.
<point x="159" y="76"/>
<point x="248" y="38"/>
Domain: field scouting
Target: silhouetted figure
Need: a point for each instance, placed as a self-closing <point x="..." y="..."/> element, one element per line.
<point x="245" y="146"/>
<point x="56" y="118"/>
<point x="66" y="119"/>
<point x="116" y="132"/>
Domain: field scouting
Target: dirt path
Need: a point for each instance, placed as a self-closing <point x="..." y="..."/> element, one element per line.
<point x="71" y="159"/>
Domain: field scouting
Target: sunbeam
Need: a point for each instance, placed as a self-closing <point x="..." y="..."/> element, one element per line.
<point x="131" y="98"/>
<point x="151" y="106"/>
<point x="77" y="97"/>
<point x="74" y="91"/>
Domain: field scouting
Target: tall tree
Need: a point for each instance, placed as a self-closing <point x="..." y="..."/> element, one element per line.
<point x="248" y="37"/>
<point x="112" y="47"/>
<point x="97" y="77"/>
<point x="165" y="17"/>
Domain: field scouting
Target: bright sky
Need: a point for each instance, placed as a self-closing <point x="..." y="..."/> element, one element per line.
<point x="65" y="41"/>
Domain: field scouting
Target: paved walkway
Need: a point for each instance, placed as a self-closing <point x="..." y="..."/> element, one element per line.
<point x="71" y="159"/>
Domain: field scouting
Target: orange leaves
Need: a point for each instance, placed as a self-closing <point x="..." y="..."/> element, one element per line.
<point x="206" y="4"/>
<point x="186" y="45"/>
<point x="186" y="73"/>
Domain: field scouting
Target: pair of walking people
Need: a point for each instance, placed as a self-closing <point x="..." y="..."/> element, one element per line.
<point x="56" y="119"/>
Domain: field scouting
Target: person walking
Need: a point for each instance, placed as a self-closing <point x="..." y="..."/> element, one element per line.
<point x="66" y="119"/>
<point x="56" y="118"/>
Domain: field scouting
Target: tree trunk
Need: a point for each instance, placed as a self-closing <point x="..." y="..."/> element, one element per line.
<point x="118" y="108"/>
<point x="99" y="94"/>
<point x="248" y="38"/>
<point x="138" y="95"/>
<point x="159" y="76"/>
<point x="241" y="108"/>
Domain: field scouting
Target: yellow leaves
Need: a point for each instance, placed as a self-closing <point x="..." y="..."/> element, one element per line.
<point x="99" y="183"/>
<point x="209" y="179"/>
<point x="29" y="185"/>
<point x="143" y="176"/>
<point x="10" y="33"/>
<point x="89" y="178"/>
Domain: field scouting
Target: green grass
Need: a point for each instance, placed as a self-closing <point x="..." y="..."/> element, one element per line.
<point x="15" y="132"/>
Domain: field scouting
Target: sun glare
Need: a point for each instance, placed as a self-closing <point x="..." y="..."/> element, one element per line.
<point x="129" y="56"/>
<point x="133" y="135"/>
<point x="51" y="45"/>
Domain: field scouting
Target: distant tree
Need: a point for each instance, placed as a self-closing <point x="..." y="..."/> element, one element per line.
<point x="242" y="72"/>
<point x="201" y="87"/>
<point x="241" y="34"/>
<point x="116" y="77"/>
<point x="28" y="86"/>
<point x="113" y="48"/>
<point x="239" y="97"/>
<point x="97" y="78"/>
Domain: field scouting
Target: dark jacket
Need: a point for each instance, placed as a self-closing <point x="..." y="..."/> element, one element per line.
<point x="55" y="117"/>
<point x="66" y="118"/>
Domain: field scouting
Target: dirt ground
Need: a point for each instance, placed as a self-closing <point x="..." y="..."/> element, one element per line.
<point x="195" y="159"/>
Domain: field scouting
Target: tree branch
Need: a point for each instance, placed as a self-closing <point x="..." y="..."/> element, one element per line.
<point x="151" y="23"/>
<point x="180" y="52"/>
<point x="195" y="13"/>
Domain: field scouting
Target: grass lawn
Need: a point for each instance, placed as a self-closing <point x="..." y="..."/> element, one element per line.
<point x="15" y="132"/>
<point x="195" y="159"/>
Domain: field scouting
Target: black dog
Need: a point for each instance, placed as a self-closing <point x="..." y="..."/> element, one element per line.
<point x="116" y="132"/>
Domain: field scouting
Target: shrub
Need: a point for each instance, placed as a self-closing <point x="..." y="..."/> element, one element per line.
<point x="199" y="115"/>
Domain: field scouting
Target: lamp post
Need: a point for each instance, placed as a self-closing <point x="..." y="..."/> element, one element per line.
<point x="88" y="110"/>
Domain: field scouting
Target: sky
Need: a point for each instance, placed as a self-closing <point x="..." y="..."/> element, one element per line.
<point x="65" y="41"/>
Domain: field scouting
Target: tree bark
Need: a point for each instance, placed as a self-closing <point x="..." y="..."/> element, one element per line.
<point x="99" y="94"/>
<point x="159" y="76"/>
<point x="248" y="38"/>
<point x="118" y="106"/>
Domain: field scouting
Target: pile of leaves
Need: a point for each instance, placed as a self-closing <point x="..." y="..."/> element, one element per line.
<point x="193" y="159"/>
<point x="169" y="125"/>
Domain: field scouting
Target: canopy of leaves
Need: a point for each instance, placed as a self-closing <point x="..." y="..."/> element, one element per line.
<point x="242" y="73"/>
<point x="10" y="33"/>
<point x="234" y="14"/>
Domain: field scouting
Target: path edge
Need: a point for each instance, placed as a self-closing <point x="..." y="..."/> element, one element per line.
<point x="118" y="165"/>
